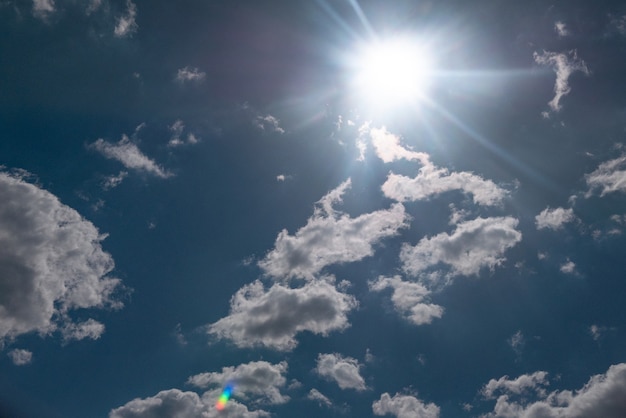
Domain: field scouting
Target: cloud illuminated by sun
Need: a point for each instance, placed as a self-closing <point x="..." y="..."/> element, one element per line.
<point x="392" y="72"/>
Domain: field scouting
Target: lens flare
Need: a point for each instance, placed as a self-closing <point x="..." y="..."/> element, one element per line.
<point x="224" y="397"/>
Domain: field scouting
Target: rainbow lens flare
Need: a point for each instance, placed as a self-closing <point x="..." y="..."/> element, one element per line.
<point x="224" y="397"/>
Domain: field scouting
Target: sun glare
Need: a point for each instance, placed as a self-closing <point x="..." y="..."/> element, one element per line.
<point x="392" y="72"/>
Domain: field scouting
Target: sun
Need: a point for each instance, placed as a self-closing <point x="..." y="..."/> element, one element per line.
<point x="392" y="72"/>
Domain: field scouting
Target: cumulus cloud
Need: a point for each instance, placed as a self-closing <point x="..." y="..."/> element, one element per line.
<point x="410" y="299"/>
<point x="43" y="8"/>
<point x="331" y="237"/>
<point x="189" y="74"/>
<point x="388" y="148"/>
<point x="268" y="123"/>
<point x="273" y="317"/>
<point x="126" y="24"/>
<point x="534" y="382"/>
<point x="473" y="245"/>
<point x="564" y="65"/>
<point x="51" y="262"/>
<point x="404" y="406"/>
<point x="554" y="218"/>
<point x="345" y="371"/>
<point x="129" y="155"/>
<point x="609" y="177"/>
<point x="569" y="267"/>
<point x="604" y="395"/>
<point x="432" y="181"/>
<point x="20" y="357"/>
<point x="259" y="379"/>
<point x="176" y="403"/>
<point x="319" y="397"/>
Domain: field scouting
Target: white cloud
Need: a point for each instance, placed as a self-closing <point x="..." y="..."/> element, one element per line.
<point x="473" y="245"/>
<point x="272" y="318"/>
<point x="388" y="148"/>
<point x="20" y="357"/>
<point x="268" y="123"/>
<point x="525" y="383"/>
<point x="409" y="299"/>
<point x="43" y="8"/>
<point x="604" y="395"/>
<point x="331" y="237"/>
<point x="112" y="182"/>
<point x="561" y="29"/>
<point x="93" y="6"/>
<point x="78" y="331"/>
<point x="176" y="403"/>
<point x="129" y="155"/>
<point x="597" y="331"/>
<point x="404" y="406"/>
<point x="432" y="180"/>
<point x="317" y="396"/>
<point x="517" y="342"/>
<point x="258" y="379"/>
<point x="610" y="177"/>
<point x="192" y="74"/>
<point x="569" y="267"/>
<point x="345" y="371"/>
<point x="126" y="24"/>
<point x="51" y="261"/>
<point x="564" y="65"/>
<point x="554" y="218"/>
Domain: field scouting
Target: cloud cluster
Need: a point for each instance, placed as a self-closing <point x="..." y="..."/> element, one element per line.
<point x="258" y="379"/>
<point x="609" y="177"/>
<point x="272" y="318"/>
<point x="129" y="155"/>
<point x="176" y="403"/>
<point x="345" y="371"/>
<point x="554" y="218"/>
<point x="410" y="299"/>
<point x="473" y="245"/>
<point x="177" y="138"/>
<point x="331" y="237"/>
<point x="564" y="65"/>
<point x="268" y="123"/>
<point x="404" y="406"/>
<point x="51" y="262"/>
<point x="604" y="395"/>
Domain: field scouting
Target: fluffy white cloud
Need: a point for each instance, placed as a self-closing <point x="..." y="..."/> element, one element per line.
<point x="432" y="180"/>
<point x="331" y="237"/>
<point x="129" y="155"/>
<point x="190" y="74"/>
<point x="410" y="299"/>
<point x="604" y="395"/>
<point x="176" y="403"/>
<point x="272" y="318"/>
<point x="268" y="123"/>
<point x="564" y="65"/>
<point x="388" y="148"/>
<point x="534" y="382"/>
<point x="569" y="267"/>
<point x="404" y="406"/>
<point x="345" y="371"/>
<point x="20" y="357"/>
<point x="112" y="182"/>
<point x="610" y="177"/>
<point x="43" y="8"/>
<point x="259" y="379"/>
<point x="319" y="397"/>
<point x="473" y="245"/>
<point x="126" y="24"/>
<point x="51" y="261"/>
<point x="554" y="218"/>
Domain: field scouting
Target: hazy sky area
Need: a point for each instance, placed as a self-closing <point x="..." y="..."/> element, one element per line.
<point x="326" y="208"/>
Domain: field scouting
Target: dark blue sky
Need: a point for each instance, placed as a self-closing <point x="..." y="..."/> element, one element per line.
<point x="202" y="193"/>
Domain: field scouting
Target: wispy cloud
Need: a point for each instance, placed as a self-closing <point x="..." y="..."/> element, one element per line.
<point x="561" y="29"/>
<point x="609" y="177"/>
<point x="554" y="218"/>
<point x="272" y="318"/>
<point x="129" y="155"/>
<point x="319" y="397"/>
<point x="20" y="357"/>
<point x="564" y="65"/>
<point x="268" y="123"/>
<point x="410" y="299"/>
<point x="178" y="139"/>
<point x="126" y="24"/>
<point x="331" y="237"/>
<point x="190" y="74"/>
<point x="345" y="371"/>
<point x="42" y="9"/>
<point x="51" y="263"/>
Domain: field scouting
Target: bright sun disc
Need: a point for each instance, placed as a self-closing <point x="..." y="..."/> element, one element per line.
<point x="392" y="72"/>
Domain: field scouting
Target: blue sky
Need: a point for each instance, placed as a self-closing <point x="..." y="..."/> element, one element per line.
<point x="339" y="208"/>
